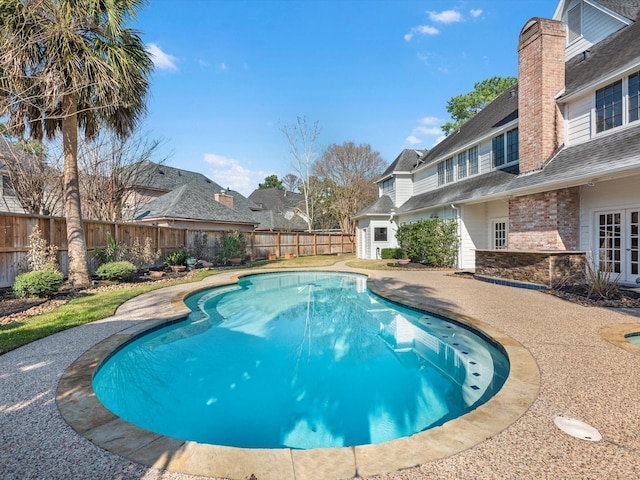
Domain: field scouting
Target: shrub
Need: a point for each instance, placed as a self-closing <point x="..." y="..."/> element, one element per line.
<point x="116" y="271"/>
<point x="41" y="255"/>
<point x="232" y="245"/>
<point x="389" y="253"/>
<point x="39" y="283"/>
<point x="433" y="241"/>
<point x="177" y="257"/>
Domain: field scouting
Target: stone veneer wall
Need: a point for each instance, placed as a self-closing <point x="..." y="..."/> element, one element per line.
<point x="541" y="267"/>
<point x="545" y="221"/>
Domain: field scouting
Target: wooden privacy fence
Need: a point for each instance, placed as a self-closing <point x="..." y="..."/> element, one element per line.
<point x="15" y="230"/>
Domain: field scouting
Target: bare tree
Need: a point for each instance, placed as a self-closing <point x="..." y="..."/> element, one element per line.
<point x="302" y="138"/>
<point x="36" y="182"/>
<point x="290" y="182"/>
<point x="108" y="166"/>
<point x="351" y="170"/>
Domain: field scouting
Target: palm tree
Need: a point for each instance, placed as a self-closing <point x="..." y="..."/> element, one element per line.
<point x="70" y="65"/>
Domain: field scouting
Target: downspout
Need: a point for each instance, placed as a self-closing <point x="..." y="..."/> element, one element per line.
<point x="457" y="210"/>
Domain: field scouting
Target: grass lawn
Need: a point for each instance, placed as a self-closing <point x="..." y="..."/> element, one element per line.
<point x="95" y="306"/>
<point x="78" y="311"/>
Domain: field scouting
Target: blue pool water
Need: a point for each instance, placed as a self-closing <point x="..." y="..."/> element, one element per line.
<point x="300" y="360"/>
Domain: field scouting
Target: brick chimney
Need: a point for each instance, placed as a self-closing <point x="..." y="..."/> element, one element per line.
<point x="541" y="67"/>
<point x="224" y="198"/>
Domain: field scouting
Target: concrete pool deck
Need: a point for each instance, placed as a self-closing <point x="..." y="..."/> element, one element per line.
<point x="581" y="375"/>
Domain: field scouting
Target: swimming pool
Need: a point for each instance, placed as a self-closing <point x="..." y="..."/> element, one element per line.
<point x="634" y="338"/>
<point x="303" y="360"/>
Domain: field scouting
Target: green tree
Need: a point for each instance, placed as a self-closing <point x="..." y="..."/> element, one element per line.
<point x="68" y="65"/>
<point x="271" y="181"/>
<point x="463" y="107"/>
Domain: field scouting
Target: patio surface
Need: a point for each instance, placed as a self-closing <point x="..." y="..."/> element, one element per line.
<point x="581" y="375"/>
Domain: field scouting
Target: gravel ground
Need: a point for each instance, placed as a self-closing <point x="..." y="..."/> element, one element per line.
<point x="582" y="376"/>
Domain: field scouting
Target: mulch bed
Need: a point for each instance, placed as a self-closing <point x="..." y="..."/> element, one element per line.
<point x="13" y="309"/>
<point x="624" y="298"/>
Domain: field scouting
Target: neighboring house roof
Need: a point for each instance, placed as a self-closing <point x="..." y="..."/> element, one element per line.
<point x="578" y="164"/>
<point x="382" y="206"/>
<point x="278" y="209"/>
<point x="603" y="59"/>
<point x="405" y="162"/>
<point x="191" y="202"/>
<point x="501" y="111"/>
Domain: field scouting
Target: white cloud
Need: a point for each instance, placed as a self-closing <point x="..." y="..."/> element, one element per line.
<point x="223" y="66"/>
<point x="427" y="130"/>
<point x="162" y="60"/>
<point x="411" y="140"/>
<point x="421" y="30"/>
<point x="228" y="173"/>
<point x="429" y="121"/>
<point x="447" y="16"/>
<point x="475" y="13"/>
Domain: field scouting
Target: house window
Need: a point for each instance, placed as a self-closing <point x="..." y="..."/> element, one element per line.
<point x="462" y="165"/>
<point x="512" y="146"/>
<point x="574" y="23"/>
<point x="499" y="234"/>
<point x="634" y="105"/>
<point x="380" y="234"/>
<point x="498" y="151"/>
<point x="473" y="161"/>
<point x="388" y="185"/>
<point x="609" y="107"/>
<point x="441" y="173"/>
<point x="448" y="170"/>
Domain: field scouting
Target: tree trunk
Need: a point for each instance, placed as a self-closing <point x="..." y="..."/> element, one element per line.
<point x="76" y="244"/>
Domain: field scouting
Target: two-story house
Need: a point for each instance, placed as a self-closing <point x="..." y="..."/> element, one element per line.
<point x="551" y="164"/>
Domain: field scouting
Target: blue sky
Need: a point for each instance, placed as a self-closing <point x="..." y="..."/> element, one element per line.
<point x="231" y="73"/>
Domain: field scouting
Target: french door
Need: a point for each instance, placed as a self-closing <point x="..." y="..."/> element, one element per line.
<point x="619" y="243"/>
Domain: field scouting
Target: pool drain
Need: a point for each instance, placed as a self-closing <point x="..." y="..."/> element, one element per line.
<point x="577" y="429"/>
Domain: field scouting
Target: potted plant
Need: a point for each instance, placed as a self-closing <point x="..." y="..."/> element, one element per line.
<point x="176" y="260"/>
<point x="404" y="258"/>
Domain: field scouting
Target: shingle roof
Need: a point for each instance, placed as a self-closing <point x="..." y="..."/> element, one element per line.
<point x="382" y="206"/>
<point x="276" y="199"/>
<point x="278" y="207"/>
<point x="604" y="58"/>
<point x="501" y="111"/>
<point x="192" y="202"/>
<point x="405" y="162"/>
<point x="626" y="8"/>
<point x="582" y="163"/>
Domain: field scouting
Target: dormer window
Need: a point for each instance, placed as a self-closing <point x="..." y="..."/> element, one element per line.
<point x="634" y="97"/>
<point x="388" y="185"/>
<point x="574" y="23"/>
<point x="505" y="149"/>
<point x="609" y="107"/>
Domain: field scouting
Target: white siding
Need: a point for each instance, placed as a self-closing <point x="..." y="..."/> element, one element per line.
<point x="596" y="26"/>
<point x="364" y="242"/>
<point x="473" y="233"/>
<point x="404" y="189"/>
<point x="611" y="195"/>
<point x="425" y="180"/>
<point x="579" y="119"/>
<point x="484" y="157"/>
<point x="376" y="247"/>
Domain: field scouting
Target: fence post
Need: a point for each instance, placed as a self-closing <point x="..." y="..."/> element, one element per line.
<point x="297" y="244"/>
<point x="329" y="247"/>
<point x="278" y="251"/>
